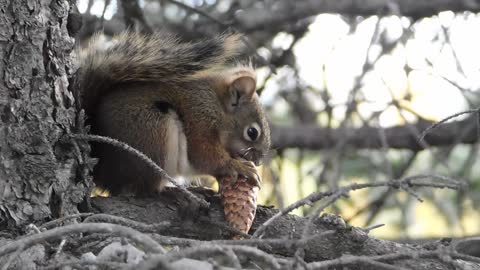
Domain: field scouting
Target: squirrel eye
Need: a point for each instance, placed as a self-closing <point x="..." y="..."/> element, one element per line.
<point x="252" y="132"/>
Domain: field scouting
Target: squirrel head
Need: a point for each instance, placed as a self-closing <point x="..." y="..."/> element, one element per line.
<point x="246" y="133"/>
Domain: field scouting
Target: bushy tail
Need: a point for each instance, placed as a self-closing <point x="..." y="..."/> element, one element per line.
<point x="159" y="57"/>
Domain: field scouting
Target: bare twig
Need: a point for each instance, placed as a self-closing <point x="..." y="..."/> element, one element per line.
<point x="405" y="184"/>
<point x="348" y="260"/>
<point x="143" y="157"/>
<point x="200" y="12"/>
<point x="437" y="124"/>
<point x="141" y="239"/>
<point x="59" y="221"/>
<point x="13" y="257"/>
<point x="60" y="248"/>
<point x="133" y="13"/>
<point x="177" y="241"/>
<point x="203" y="251"/>
<point x="344" y="260"/>
<point x="114" y="265"/>
<point x="226" y="26"/>
<point x="105" y="218"/>
<point x="373" y="227"/>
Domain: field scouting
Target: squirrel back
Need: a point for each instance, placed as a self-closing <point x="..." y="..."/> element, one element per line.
<point x="136" y="57"/>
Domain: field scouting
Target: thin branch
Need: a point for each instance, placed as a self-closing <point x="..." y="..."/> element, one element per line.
<point x="405" y="184"/>
<point x="143" y="157"/>
<point x="203" y="251"/>
<point x="441" y="122"/>
<point x="259" y="17"/>
<point x="59" y="221"/>
<point x="227" y="26"/>
<point x="141" y="239"/>
<point x="81" y="262"/>
<point x="345" y="260"/>
<point x="143" y="227"/>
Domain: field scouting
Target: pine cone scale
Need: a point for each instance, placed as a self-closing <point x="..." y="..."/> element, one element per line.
<point x="239" y="200"/>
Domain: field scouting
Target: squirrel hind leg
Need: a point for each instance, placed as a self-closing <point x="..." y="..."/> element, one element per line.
<point x="158" y="133"/>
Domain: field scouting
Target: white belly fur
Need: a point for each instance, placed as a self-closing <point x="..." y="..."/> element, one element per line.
<point x="176" y="162"/>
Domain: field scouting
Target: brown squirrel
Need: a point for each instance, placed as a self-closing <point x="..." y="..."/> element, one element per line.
<point x="179" y="103"/>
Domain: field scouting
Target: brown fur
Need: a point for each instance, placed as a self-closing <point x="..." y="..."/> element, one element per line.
<point x="143" y="88"/>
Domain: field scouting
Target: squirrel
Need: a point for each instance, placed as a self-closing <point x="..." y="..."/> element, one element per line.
<point x="180" y="103"/>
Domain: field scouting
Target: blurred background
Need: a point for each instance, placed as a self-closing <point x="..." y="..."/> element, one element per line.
<point x="349" y="86"/>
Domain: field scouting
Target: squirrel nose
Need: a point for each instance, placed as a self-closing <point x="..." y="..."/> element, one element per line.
<point x="256" y="157"/>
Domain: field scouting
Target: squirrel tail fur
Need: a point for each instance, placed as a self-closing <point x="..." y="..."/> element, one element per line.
<point x="160" y="57"/>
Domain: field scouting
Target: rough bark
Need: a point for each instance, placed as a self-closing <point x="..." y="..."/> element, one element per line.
<point x="37" y="172"/>
<point x="147" y="227"/>
<point x="397" y="137"/>
<point x="208" y="226"/>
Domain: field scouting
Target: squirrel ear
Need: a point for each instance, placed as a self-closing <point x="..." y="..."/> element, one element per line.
<point x="245" y="86"/>
<point x="241" y="88"/>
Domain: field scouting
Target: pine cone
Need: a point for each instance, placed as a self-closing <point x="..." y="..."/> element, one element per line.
<point x="239" y="200"/>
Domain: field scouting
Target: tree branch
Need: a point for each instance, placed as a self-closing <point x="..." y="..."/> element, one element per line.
<point x="329" y="239"/>
<point x="398" y="137"/>
<point x="283" y="12"/>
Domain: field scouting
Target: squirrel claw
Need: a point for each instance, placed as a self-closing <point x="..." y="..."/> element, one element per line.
<point x="255" y="181"/>
<point x="246" y="169"/>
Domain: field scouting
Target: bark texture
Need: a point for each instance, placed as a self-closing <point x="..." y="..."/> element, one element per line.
<point x="207" y="225"/>
<point x="37" y="172"/>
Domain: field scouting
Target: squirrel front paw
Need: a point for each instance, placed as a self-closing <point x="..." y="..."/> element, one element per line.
<point x="243" y="168"/>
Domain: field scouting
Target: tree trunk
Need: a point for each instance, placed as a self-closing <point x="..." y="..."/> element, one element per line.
<point x="38" y="170"/>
